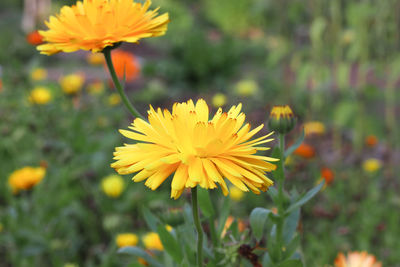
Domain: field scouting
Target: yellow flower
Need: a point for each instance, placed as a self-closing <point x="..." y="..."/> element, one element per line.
<point x="39" y="74"/>
<point x="235" y="193"/>
<point x="152" y="241"/>
<point x="1" y="227"/>
<point x="246" y="87"/>
<point x="114" y="99"/>
<point x="356" y="259"/>
<point x="198" y="150"/>
<point x="95" y="88"/>
<point x="219" y="100"/>
<point x="126" y="239"/>
<point x="348" y="36"/>
<point x="71" y="265"/>
<point x="95" y="58"/>
<point x="72" y="83"/>
<point x="113" y="185"/>
<point x="95" y="24"/>
<point x="40" y="96"/>
<point x="372" y="165"/>
<point x="26" y="178"/>
<point x="314" y="128"/>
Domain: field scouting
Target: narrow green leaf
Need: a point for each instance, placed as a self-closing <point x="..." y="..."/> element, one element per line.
<point x="226" y="208"/>
<point x="290" y="225"/>
<point x="291" y="247"/>
<point x="293" y="147"/>
<point x="170" y="244"/>
<point x="205" y="202"/>
<point x="291" y="263"/>
<point x="273" y="193"/>
<point x="258" y="218"/>
<point x="140" y="253"/>
<point x="310" y="194"/>
<point x="151" y="220"/>
<point x="266" y="261"/>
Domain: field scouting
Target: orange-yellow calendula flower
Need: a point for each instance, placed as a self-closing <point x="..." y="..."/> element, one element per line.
<point x="152" y="241"/>
<point x="96" y="24"/>
<point x="40" y="95"/>
<point x="196" y="149"/>
<point x="26" y="178"/>
<point x="356" y="259"/>
<point x="126" y="239"/>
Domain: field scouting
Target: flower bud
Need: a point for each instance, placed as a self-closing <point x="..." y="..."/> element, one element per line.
<point x="281" y="119"/>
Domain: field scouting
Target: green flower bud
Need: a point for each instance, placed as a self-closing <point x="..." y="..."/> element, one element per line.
<point x="281" y="119"/>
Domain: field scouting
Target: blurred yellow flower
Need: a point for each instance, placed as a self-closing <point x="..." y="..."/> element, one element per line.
<point x="169" y="228"/>
<point x="1" y="227"/>
<point x="39" y="74"/>
<point x="246" y="87"/>
<point x="72" y="83"/>
<point x="96" y="24"/>
<point x="26" y="178"/>
<point x="219" y="100"/>
<point x="126" y="239"/>
<point x="235" y="193"/>
<point x="372" y="165"/>
<point x="314" y="128"/>
<point x="356" y="259"/>
<point x="199" y="151"/>
<point x="114" y="99"/>
<point x="95" y="58"/>
<point x="40" y="96"/>
<point x="113" y="185"/>
<point x="348" y="36"/>
<point x="71" y="265"/>
<point x="96" y="88"/>
<point x="152" y="241"/>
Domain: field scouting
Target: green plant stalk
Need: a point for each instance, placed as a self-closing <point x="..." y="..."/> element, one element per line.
<point x="196" y="218"/>
<point x="128" y="104"/>
<point x="281" y="208"/>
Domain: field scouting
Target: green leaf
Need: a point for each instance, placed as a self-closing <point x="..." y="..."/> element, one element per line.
<point x="291" y="263"/>
<point x="291" y="247"/>
<point x="266" y="261"/>
<point x="226" y="208"/>
<point x="293" y="147"/>
<point x="170" y="244"/>
<point x="290" y="225"/>
<point x="310" y="194"/>
<point x="151" y="220"/>
<point x="205" y="203"/>
<point x="273" y="193"/>
<point x="258" y="218"/>
<point x="140" y="253"/>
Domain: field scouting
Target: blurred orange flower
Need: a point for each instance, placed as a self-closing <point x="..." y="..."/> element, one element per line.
<point x="26" y="178"/>
<point x="371" y="140"/>
<point x="306" y="151"/>
<point x="356" y="259"/>
<point x="34" y="38"/>
<point x="125" y="63"/>
<point x="328" y="175"/>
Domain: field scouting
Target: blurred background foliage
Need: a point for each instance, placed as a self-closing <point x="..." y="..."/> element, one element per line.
<point x="333" y="61"/>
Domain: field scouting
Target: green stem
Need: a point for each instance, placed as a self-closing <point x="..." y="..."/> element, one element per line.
<point x="281" y="211"/>
<point x="128" y="104"/>
<point x="213" y="232"/>
<point x="197" y="223"/>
